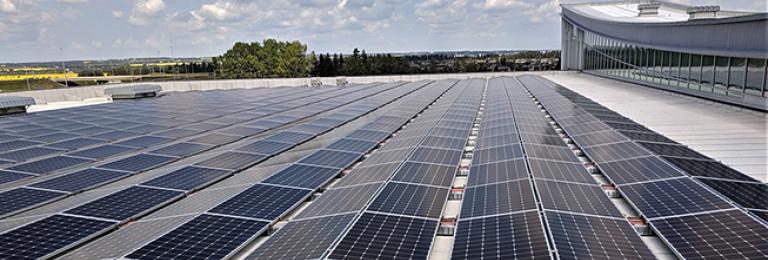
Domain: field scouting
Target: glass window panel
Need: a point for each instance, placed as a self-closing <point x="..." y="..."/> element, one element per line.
<point x="736" y="76"/>
<point x="721" y="75"/>
<point x="695" y="72"/>
<point x="707" y="73"/>
<point x="674" y="69"/>
<point x="685" y="62"/>
<point x="755" y="76"/>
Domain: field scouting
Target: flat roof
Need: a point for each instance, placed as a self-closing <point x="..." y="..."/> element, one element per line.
<point x="627" y="11"/>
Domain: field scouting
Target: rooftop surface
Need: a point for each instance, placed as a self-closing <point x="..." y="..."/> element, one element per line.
<point x="627" y="11"/>
<point x="504" y="167"/>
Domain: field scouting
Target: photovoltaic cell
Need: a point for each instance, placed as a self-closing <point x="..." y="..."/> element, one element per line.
<point x="215" y="139"/>
<point x="581" y="198"/>
<point x="187" y="178"/>
<point x="352" y="145"/>
<point x="125" y="204"/>
<point x="615" y="152"/>
<point x="672" y="197"/>
<point x="102" y="152"/>
<point x="21" y="198"/>
<point x="561" y="171"/>
<point x="289" y="137"/>
<point x="80" y="180"/>
<point x="543" y="139"/>
<point x="307" y="239"/>
<point x="54" y="137"/>
<point x="17" y="144"/>
<point x="638" y="170"/>
<point x="498" y="198"/>
<point x="497" y="172"/>
<point x="368" y="174"/>
<point x="182" y="149"/>
<point x="303" y="176"/>
<point x="76" y="143"/>
<point x="265" y="147"/>
<point x="8" y="177"/>
<point x="334" y="159"/>
<point x="724" y="235"/>
<point x="262" y="201"/>
<point x="645" y="136"/>
<point x="386" y="237"/>
<point x="760" y="214"/>
<point x="445" y="142"/>
<point x="748" y="195"/>
<point x="143" y="141"/>
<point x="48" y="236"/>
<point x="439" y="175"/>
<point x="116" y="135"/>
<point x="137" y="163"/>
<point x="204" y="237"/>
<point x="587" y="237"/>
<point x="515" y="236"/>
<point x="335" y="201"/>
<point x="501" y="153"/>
<point x="49" y="164"/>
<point x="232" y="160"/>
<point x="29" y="153"/>
<point x="707" y="169"/>
<point x="408" y="199"/>
<point x="368" y="135"/>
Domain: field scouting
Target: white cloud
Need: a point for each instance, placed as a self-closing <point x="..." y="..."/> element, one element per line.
<point x="6" y="6"/>
<point x="219" y="10"/>
<point x="144" y="10"/>
<point x="127" y="43"/>
<point x="117" y="13"/>
<point x="547" y="11"/>
<point x="77" y="46"/>
<point x="502" y="4"/>
<point x="73" y="1"/>
<point x="96" y="44"/>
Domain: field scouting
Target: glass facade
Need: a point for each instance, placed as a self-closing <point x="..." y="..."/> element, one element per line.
<point x="728" y="76"/>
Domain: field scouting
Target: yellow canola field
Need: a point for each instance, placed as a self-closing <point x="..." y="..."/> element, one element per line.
<point x="38" y="76"/>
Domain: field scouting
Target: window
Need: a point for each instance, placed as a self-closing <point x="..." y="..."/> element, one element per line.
<point x="721" y="75"/>
<point x="685" y="62"/>
<point x="674" y="69"/>
<point x="695" y="72"/>
<point x="736" y="76"/>
<point x="707" y="73"/>
<point x="755" y="76"/>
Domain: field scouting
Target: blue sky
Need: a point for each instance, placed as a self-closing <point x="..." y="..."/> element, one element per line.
<point x="46" y="30"/>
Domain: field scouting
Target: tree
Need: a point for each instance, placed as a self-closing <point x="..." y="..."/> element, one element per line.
<point x="268" y="59"/>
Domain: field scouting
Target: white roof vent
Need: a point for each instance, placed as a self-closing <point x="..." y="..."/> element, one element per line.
<point x="702" y="12"/>
<point x="651" y="9"/>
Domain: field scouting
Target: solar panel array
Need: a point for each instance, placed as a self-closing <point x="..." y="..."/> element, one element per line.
<point x="362" y="172"/>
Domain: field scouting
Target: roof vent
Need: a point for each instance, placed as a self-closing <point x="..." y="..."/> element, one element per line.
<point x="14" y="104"/>
<point x="135" y="91"/>
<point x="651" y="9"/>
<point x="703" y="12"/>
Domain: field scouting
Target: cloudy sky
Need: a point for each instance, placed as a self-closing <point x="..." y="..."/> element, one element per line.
<point x="45" y="30"/>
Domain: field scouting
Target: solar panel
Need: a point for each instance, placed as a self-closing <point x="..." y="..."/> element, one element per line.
<point x="581" y="198"/>
<point x="289" y="137"/>
<point x="21" y="198"/>
<point x="727" y="235"/>
<point x="17" y="144"/>
<point x="143" y="141"/>
<point x="340" y="200"/>
<point x="48" y="236"/>
<point x="304" y="239"/>
<point x="760" y="214"/>
<point x="588" y="237"/>
<point x="409" y="199"/>
<point x="29" y="153"/>
<point x="496" y="154"/>
<point x="445" y="142"/>
<point x="125" y="204"/>
<point x="181" y="149"/>
<point x="560" y="171"/>
<point x="671" y="197"/>
<point x="265" y="147"/>
<point x="615" y="152"/>
<point x="76" y="143"/>
<point x="7" y="177"/>
<point x="146" y="128"/>
<point x="556" y="153"/>
<point x="49" y="164"/>
<point x="303" y="176"/>
<point x="748" y="195"/>
<point x="542" y="139"/>
<point x="80" y="180"/>
<point x="707" y="169"/>
<point x="599" y="138"/>
<point x="329" y="158"/>
<point x="55" y="137"/>
<point x="215" y="139"/>
<point x="116" y="135"/>
<point x="232" y="160"/>
<point x="241" y="131"/>
<point x="515" y="236"/>
<point x="498" y="198"/>
<point x="628" y="126"/>
<point x="673" y="150"/>
<point x="368" y="174"/>
<point x="368" y="135"/>
<point x="204" y="237"/>
<point x="137" y="163"/>
<point x="178" y="133"/>
<point x="638" y="170"/>
<point x="262" y="201"/>
<point x="387" y="236"/>
<point x="102" y="152"/>
<point x="187" y="178"/>
<point x="352" y="145"/>
<point x="432" y="174"/>
<point x="645" y="136"/>
<point x="497" y="172"/>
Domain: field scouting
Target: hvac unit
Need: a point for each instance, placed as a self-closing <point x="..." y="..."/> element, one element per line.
<point x="14" y="104"/>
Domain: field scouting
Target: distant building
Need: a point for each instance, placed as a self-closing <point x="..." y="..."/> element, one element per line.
<point x="697" y="50"/>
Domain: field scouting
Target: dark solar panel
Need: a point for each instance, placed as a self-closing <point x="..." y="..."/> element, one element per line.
<point x="54" y="137"/>
<point x="137" y="163"/>
<point x="368" y="135"/>
<point x="329" y="158"/>
<point x="760" y="214"/>
<point x="307" y="239"/>
<point x="725" y="235"/>
<point x="125" y="204"/>
<point x="516" y="236"/>
<point x="587" y="237"/>
<point x="673" y="150"/>
<point x="615" y="152"/>
<point x="748" y="195"/>
<point x="48" y="236"/>
<point x="17" y="144"/>
<point x="146" y="128"/>
<point x="498" y="198"/>
<point x="561" y="171"/>
<point x="707" y="169"/>
<point x="672" y="197"/>
<point x="445" y="142"/>
<point x="262" y="201"/>
<point x="645" y="136"/>
<point x="241" y="131"/>
<point x="599" y="138"/>
<point x="21" y="198"/>
<point x="182" y="149"/>
<point x="178" y="133"/>
<point x="352" y="145"/>
<point x="386" y="237"/>
<point x="439" y="175"/>
<point x="335" y="201"/>
<point x="265" y="147"/>
<point x="368" y="174"/>
<point x="80" y="180"/>
<point x="76" y="143"/>
<point x="115" y="135"/>
<point x="215" y="139"/>
<point x="188" y="178"/>
<point x="496" y="154"/>
<point x="589" y="199"/>
<point x="408" y="199"/>
<point x="29" y="153"/>
<point x="543" y="139"/>
<point x="497" y="172"/>
<point x="49" y="164"/>
<point x="232" y="161"/>
<point x="638" y="170"/>
<point x="204" y="237"/>
<point x="303" y="176"/>
<point x="548" y="152"/>
<point x="289" y="137"/>
<point x="143" y="141"/>
<point x="102" y="152"/>
<point x="7" y="177"/>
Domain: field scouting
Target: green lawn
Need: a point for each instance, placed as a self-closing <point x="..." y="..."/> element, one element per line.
<point x="34" y="84"/>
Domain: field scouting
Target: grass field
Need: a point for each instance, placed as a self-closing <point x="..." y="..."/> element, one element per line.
<point x="34" y="84"/>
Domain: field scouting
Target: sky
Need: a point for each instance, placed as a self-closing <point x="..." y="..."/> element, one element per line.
<point x="50" y="30"/>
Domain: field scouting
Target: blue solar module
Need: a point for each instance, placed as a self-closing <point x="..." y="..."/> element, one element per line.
<point x="450" y="132"/>
<point x="541" y="139"/>
<point x="146" y="128"/>
<point x="368" y="135"/>
<point x="515" y="236"/>
<point x="445" y="142"/>
<point x="48" y="236"/>
<point x="638" y="170"/>
<point x="649" y="137"/>
<point x="436" y="156"/>
<point x="376" y="236"/>
<point x="232" y="161"/>
<point x="215" y="139"/>
<point x="561" y="171"/>
<point x="102" y="152"/>
<point x="125" y="204"/>
<point x="94" y="130"/>
<point x="368" y="174"/>
<point x="265" y="147"/>
<point x="21" y="198"/>
<point x="330" y="158"/>
<point x="352" y="145"/>
<point x="262" y="201"/>
<point x="116" y="135"/>
<point x="432" y="174"/>
<point x="502" y="171"/>
<point x="581" y="198"/>
<point x="49" y="164"/>
<point x="241" y="131"/>
<point x="137" y="163"/>
<point x="409" y="199"/>
<point x="587" y="237"/>
<point x="760" y="214"/>
<point x="307" y="239"/>
<point x="76" y="143"/>
<point x="177" y="133"/>
<point x="599" y="138"/>
<point x="17" y="144"/>
<point x="310" y="129"/>
<point x="498" y="198"/>
<point x="143" y="141"/>
<point x="615" y="152"/>
<point x="188" y="178"/>
<point x="289" y="137"/>
<point x="204" y="237"/>
<point x="6" y="137"/>
<point x="722" y="235"/>
<point x="707" y="169"/>
<point x="673" y="150"/>
<point x="748" y="195"/>
<point x="496" y="154"/>
<point x="7" y="177"/>
<point x="548" y="152"/>
<point x="29" y="153"/>
<point x="341" y="200"/>
<point x="303" y="176"/>
<point x="181" y="149"/>
<point x="54" y="137"/>
<point x="80" y="180"/>
<point x="671" y="197"/>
